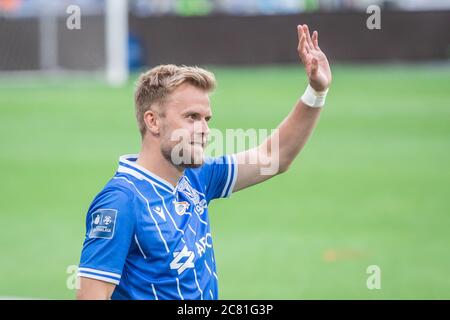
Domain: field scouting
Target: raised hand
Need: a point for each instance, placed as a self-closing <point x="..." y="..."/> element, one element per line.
<point x="315" y="61"/>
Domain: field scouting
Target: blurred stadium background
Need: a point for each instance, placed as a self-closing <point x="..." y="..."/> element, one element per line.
<point x="370" y="188"/>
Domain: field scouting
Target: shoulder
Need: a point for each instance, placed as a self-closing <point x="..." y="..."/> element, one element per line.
<point x="210" y="164"/>
<point x="116" y="193"/>
<point x="213" y="171"/>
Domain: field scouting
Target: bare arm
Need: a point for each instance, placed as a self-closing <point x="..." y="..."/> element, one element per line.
<point x="277" y="152"/>
<point x="91" y="289"/>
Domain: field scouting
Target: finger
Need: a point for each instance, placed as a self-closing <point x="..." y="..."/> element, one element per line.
<point x="302" y="51"/>
<point x="302" y="45"/>
<point x="315" y="39"/>
<point x="308" y="36"/>
<point x="299" y="32"/>
<point x="305" y="44"/>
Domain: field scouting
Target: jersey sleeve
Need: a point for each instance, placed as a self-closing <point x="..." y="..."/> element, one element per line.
<point x="110" y="225"/>
<point x="219" y="176"/>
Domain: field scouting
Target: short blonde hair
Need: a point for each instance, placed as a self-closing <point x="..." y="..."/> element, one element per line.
<point x="154" y="86"/>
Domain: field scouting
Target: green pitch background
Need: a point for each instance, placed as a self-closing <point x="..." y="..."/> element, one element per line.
<point x="370" y="188"/>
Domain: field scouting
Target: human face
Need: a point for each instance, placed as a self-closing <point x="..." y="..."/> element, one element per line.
<point x="184" y="126"/>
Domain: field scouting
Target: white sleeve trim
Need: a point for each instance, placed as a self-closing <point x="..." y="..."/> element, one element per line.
<point x="92" y="276"/>
<point x="100" y="272"/>
<point x="234" y="178"/>
<point x="110" y="277"/>
<point x="228" y="177"/>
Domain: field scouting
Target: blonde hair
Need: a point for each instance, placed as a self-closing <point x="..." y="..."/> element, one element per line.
<point x="154" y="86"/>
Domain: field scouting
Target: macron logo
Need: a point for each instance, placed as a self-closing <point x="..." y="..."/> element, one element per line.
<point x="159" y="212"/>
<point x="185" y="253"/>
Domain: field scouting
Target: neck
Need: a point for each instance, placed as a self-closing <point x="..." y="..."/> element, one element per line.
<point x="152" y="160"/>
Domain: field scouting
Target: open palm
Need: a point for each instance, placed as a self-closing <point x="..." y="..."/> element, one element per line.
<point x="315" y="61"/>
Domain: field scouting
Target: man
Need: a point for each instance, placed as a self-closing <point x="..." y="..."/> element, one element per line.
<point x="148" y="234"/>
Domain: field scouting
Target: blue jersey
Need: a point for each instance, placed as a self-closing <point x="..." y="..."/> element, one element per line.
<point x="151" y="239"/>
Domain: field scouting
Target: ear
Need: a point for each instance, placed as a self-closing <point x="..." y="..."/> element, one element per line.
<point x="152" y="121"/>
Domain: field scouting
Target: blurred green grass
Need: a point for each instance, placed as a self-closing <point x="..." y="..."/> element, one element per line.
<point x="370" y="188"/>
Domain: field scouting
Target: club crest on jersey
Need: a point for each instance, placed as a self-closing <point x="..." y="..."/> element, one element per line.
<point x="103" y="223"/>
<point x="181" y="207"/>
<point x="190" y="192"/>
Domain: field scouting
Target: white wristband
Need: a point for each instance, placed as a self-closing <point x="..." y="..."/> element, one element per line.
<point x="313" y="98"/>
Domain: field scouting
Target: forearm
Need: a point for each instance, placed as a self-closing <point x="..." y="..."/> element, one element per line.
<point x="91" y="289"/>
<point x="292" y="135"/>
<point x="277" y="152"/>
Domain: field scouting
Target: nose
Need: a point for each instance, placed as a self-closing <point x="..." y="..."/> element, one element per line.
<point x="201" y="127"/>
<point x="204" y="131"/>
<point x="205" y="127"/>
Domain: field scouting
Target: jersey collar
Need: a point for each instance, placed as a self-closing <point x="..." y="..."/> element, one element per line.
<point x="127" y="164"/>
